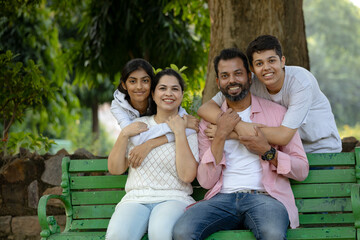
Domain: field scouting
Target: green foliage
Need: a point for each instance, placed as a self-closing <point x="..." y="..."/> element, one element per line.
<point x="30" y="29"/>
<point x="21" y="87"/>
<point x="113" y="32"/>
<point x="333" y="36"/>
<point x="30" y="141"/>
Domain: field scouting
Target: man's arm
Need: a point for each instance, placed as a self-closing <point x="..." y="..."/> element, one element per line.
<point x="212" y="157"/>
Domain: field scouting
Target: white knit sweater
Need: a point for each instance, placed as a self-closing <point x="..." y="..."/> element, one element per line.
<point x="156" y="179"/>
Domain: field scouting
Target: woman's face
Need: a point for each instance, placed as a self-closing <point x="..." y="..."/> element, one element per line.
<point x="138" y="86"/>
<point x="168" y="94"/>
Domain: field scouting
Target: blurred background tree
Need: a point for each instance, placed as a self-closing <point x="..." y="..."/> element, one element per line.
<point x="333" y="36"/>
<point x="81" y="47"/>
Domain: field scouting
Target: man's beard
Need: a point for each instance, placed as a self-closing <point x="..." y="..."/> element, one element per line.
<point x="233" y="98"/>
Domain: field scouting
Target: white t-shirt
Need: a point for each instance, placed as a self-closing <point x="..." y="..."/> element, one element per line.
<point x="243" y="169"/>
<point x="308" y="109"/>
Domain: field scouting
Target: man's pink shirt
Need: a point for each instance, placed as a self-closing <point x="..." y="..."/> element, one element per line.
<point x="292" y="161"/>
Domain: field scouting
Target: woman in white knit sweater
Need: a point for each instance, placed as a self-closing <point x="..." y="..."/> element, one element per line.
<point x="157" y="191"/>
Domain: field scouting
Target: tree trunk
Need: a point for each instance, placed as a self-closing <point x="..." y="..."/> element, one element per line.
<point x="236" y="23"/>
<point x="95" y="120"/>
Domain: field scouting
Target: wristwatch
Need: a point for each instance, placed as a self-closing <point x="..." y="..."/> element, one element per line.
<point x="269" y="155"/>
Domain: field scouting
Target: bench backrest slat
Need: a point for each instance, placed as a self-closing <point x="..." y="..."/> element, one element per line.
<point x="93" y="211"/>
<point x="326" y="218"/>
<point x="331" y="159"/>
<point x="99" y="197"/>
<point x="330" y="176"/>
<point x="90" y="224"/>
<point x="97" y="182"/>
<point x="323" y="205"/>
<point x="321" y="190"/>
<point x="88" y="165"/>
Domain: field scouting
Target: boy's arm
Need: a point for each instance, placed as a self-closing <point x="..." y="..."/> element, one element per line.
<point x="275" y="135"/>
<point x="210" y="111"/>
<point x="278" y="135"/>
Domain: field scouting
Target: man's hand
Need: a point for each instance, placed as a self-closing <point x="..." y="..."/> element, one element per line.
<point x="192" y="122"/>
<point x="256" y="144"/>
<point x="210" y="131"/>
<point x="226" y="123"/>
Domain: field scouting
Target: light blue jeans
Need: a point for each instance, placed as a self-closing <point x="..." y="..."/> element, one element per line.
<point x="265" y="216"/>
<point x="131" y="221"/>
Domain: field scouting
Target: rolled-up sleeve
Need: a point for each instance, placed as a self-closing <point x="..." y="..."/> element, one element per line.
<point x="292" y="160"/>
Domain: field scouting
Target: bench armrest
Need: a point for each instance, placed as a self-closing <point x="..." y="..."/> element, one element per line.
<point x="355" y="202"/>
<point x="48" y="224"/>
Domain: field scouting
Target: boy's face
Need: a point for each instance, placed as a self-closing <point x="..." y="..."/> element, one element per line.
<point x="269" y="69"/>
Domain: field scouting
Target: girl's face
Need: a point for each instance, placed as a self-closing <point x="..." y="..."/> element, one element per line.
<point x="168" y="94"/>
<point x="138" y="86"/>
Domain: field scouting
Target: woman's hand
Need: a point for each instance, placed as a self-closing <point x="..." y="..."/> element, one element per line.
<point x="177" y="124"/>
<point x="134" y="129"/>
<point x="192" y="122"/>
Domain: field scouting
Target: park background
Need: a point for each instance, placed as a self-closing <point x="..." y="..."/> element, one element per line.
<point x="60" y="63"/>
<point x="61" y="60"/>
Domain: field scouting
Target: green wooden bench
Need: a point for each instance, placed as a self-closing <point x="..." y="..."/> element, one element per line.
<point x="328" y="200"/>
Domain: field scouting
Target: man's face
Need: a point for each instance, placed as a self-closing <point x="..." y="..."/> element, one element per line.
<point x="233" y="80"/>
<point x="268" y="68"/>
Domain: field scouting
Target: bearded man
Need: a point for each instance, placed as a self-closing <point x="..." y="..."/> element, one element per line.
<point x="248" y="181"/>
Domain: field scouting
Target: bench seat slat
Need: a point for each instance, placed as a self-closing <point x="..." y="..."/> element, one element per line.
<point x="99" y="197"/>
<point x="292" y="234"/>
<point x="78" y="236"/>
<point x="97" y="182"/>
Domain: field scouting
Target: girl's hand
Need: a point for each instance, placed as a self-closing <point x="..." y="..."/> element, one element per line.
<point x="192" y="122"/>
<point x="134" y="129"/>
<point x="138" y="154"/>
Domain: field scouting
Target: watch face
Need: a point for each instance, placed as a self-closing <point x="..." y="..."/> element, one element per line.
<point x="270" y="156"/>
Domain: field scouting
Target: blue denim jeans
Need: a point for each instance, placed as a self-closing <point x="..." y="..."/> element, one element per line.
<point x="265" y="216"/>
<point x="131" y="221"/>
